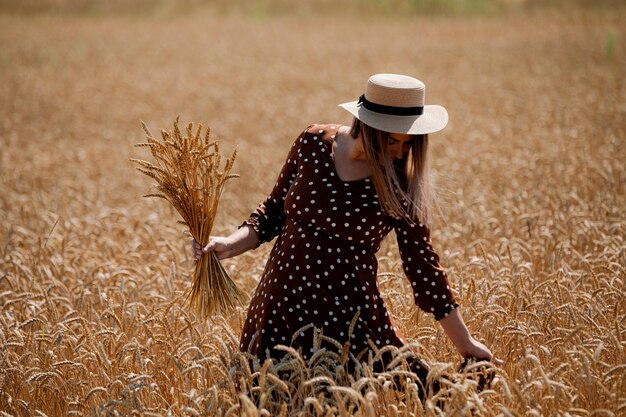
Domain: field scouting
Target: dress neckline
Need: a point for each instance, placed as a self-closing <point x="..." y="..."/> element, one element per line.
<point x="333" y="145"/>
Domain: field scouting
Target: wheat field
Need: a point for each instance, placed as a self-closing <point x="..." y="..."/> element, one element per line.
<point x="530" y="176"/>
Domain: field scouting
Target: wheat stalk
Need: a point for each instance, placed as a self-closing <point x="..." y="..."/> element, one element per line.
<point x="188" y="172"/>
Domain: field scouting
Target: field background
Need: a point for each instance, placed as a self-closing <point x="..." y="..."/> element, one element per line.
<point x="530" y="174"/>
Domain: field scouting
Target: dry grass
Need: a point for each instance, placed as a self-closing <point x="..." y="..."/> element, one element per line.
<point x="531" y="180"/>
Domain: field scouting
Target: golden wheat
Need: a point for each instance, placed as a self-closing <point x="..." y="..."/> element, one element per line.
<point x="189" y="175"/>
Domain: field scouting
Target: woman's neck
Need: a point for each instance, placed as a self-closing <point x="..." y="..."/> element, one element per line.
<point x="349" y="159"/>
<point x="352" y="148"/>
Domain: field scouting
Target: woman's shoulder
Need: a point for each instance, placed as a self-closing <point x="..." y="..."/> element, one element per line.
<point x="316" y="139"/>
<point x="317" y="136"/>
<point x="323" y="132"/>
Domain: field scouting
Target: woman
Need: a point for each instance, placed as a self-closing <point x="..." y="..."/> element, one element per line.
<point x="340" y="192"/>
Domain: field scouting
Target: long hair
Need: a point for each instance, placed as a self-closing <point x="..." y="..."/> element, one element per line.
<point x="403" y="185"/>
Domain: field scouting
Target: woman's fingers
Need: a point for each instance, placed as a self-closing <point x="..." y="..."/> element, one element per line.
<point x="199" y="251"/>
<point x="221" y="246"/>
<point x="196" y="249"/>
<point x="218" y="244"/>
<point x="213" y="241"/>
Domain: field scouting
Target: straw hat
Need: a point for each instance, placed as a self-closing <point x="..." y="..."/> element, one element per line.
<point x="395" y="103"/>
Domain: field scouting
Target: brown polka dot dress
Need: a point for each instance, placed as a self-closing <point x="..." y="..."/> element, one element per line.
<point x="322" y="270"/>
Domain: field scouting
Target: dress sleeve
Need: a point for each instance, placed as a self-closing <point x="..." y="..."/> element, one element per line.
<point x="269" y="217"/>
<point x="421" y="265"/>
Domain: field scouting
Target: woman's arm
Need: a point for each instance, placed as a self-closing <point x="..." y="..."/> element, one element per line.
<point x="240" y="241"/>
<point x="430" y="286"/>
<point x="266" y="221"/>
<point x="429" y="282"/>
<point x="457" y="331"/>
<point x="269" y="217"/>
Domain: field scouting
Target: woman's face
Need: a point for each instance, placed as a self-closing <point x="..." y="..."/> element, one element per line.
<point x="398" y="144"/>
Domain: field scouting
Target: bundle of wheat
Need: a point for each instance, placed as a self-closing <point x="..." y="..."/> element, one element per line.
<point x="187" y="171"/>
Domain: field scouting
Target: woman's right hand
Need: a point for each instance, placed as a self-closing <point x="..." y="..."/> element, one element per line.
<point x="222" y="246"/>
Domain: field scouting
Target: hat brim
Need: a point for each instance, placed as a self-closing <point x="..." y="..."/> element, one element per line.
<point x="433" y="119"/>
